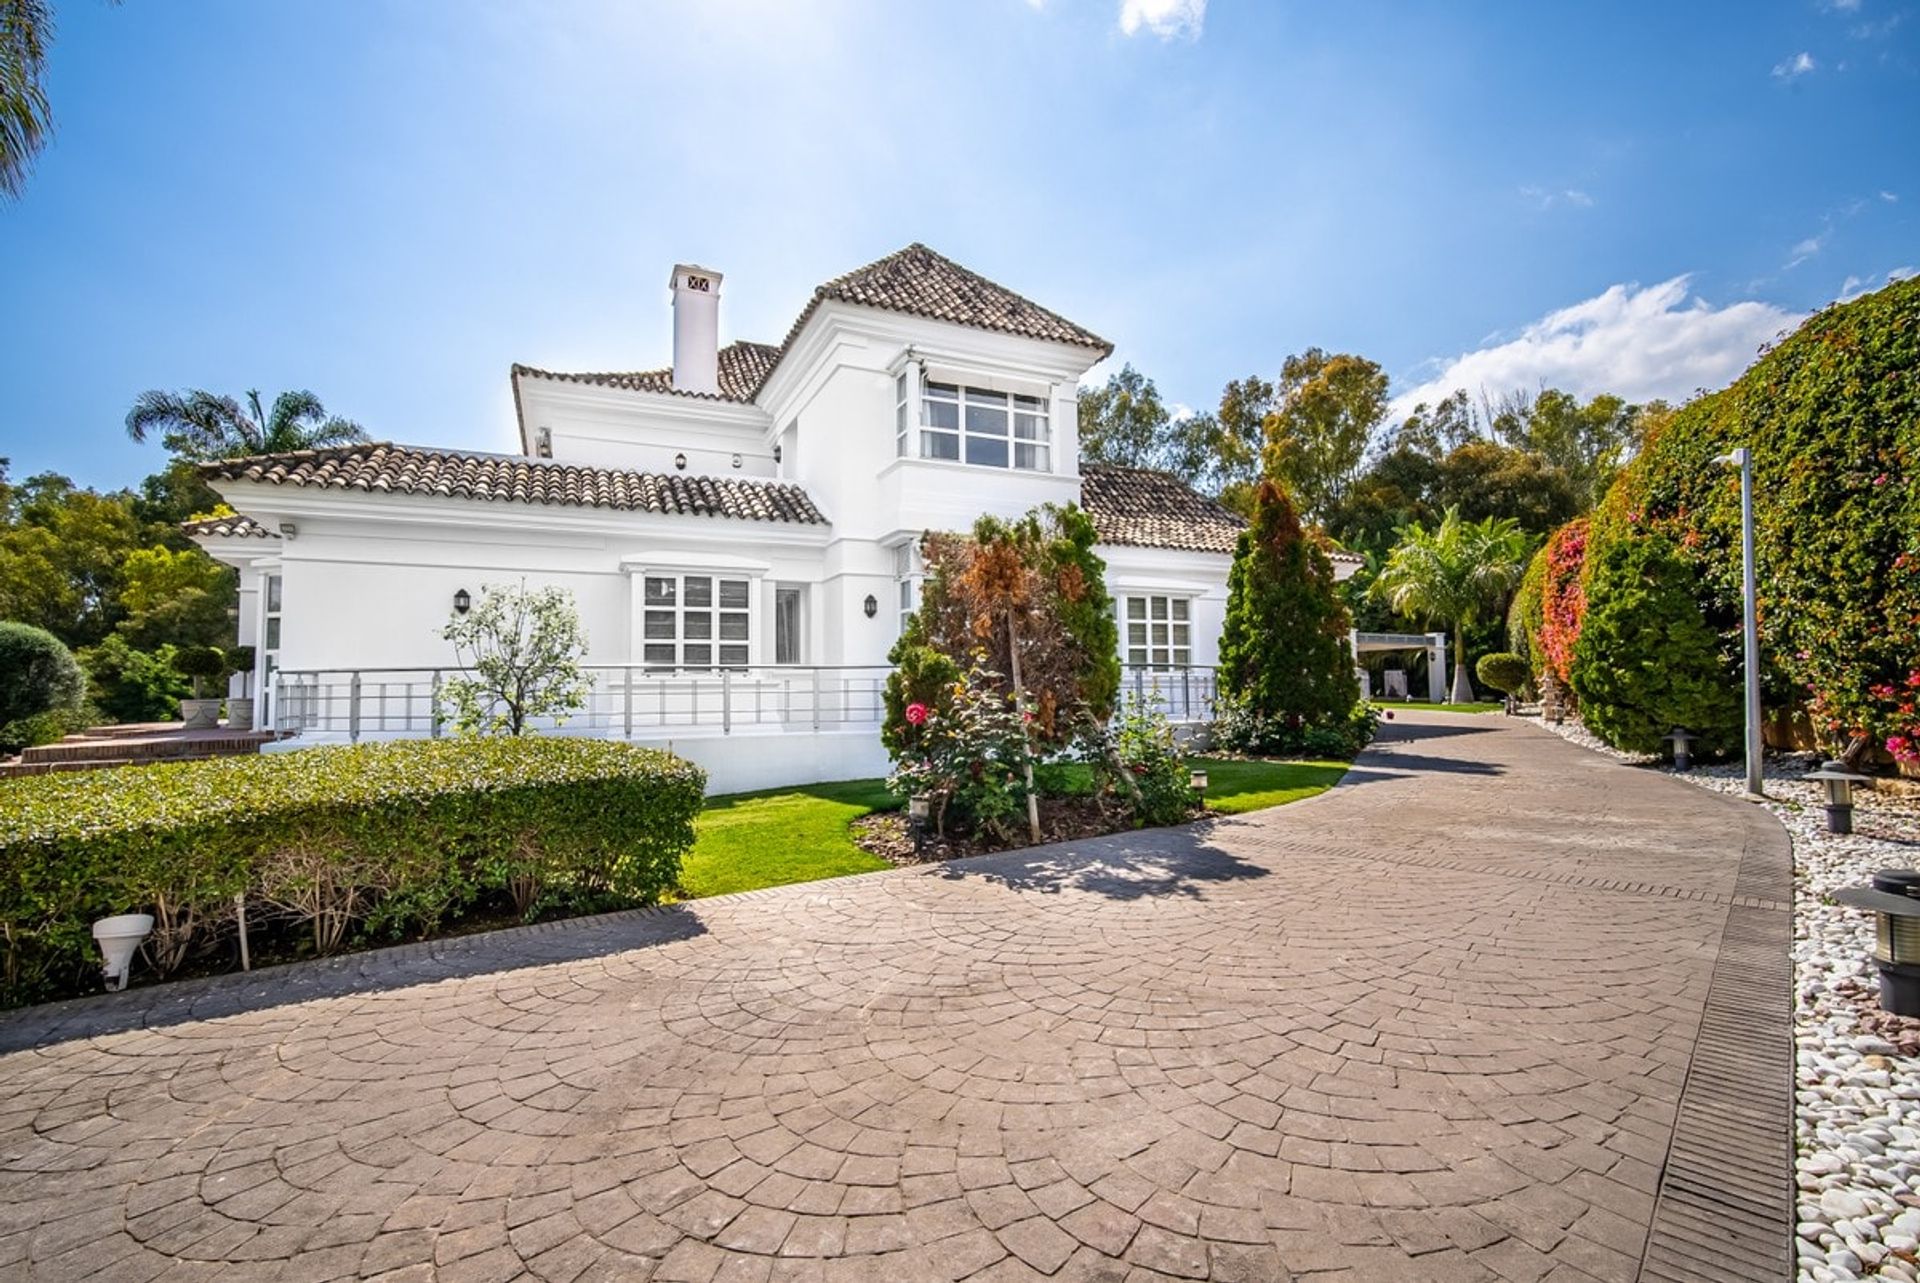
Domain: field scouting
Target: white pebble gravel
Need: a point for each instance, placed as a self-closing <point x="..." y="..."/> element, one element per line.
<point x="1857" y="1100"/>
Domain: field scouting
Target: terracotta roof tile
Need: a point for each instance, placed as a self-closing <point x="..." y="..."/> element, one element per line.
<point x="238" y="526"/>
<point x="914" y="280"/>
<point x="1145" y="508"/>
<point x="495" y="478"/>
<point x="742" y="368"/>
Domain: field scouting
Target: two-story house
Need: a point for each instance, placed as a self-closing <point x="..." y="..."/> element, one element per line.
<point x="739" y="530"/>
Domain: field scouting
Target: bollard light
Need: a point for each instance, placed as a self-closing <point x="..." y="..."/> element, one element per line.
<point x="1896" y="947"/>
<point x="1197" y="781"/>
<point x="1838" y="782"/>
<point x="917" y="813"/>
<point x="1682" y="740"/>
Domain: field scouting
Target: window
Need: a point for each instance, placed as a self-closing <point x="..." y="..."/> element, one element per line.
<point x="786" y="625"/>
<point x="1157" y="631"/>
<point x="270" y="633"/>
<point x="971" y="425"/>
<point x="907" y="575"/>
<point x="694" y="621"/>
<point x="902" y="411"/>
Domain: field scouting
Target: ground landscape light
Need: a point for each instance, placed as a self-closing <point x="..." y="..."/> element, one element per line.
<point x="1682" y="740"/>
<point x="1896" y="947"/>
<point x="1838" y="782"/>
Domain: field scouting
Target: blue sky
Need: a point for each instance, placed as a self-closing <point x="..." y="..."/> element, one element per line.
<point x="389" y="203"/>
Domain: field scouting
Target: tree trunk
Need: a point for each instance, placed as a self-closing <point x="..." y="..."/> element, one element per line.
<point x="1026" y="733"/>
<point x="1462" y="692"/>
<point x="1855" y="756"/>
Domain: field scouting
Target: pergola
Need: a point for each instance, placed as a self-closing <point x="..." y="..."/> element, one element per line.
<point x="1435" y="644"/>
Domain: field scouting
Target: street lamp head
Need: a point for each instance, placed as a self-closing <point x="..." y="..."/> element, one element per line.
<point x="1737" y="457"/>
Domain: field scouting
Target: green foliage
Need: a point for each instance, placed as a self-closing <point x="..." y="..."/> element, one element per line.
<point x="1585" y="443"/>
<point x="1139" y="765"/>
<point x="180" y="596"/>
<point x="197" y="424"/>
<point x="37" y="673"/>
<point x="129" y="685"/>
<point x="1454" y="573"/>
<point x="1647" y="660"/>
<point x="378" y="839"/>
<point x="522" y="648"/>
<point x="1504" y="672"/>
<point x="968" y="757"/>
<point x="1329" y="406"/>
<point x="1527" y="611"/>
<point x="921" y="676"/>
<point x="1123" y="422"/>
<point x="61" y="553"/>
<point x="1240" y="728"/>
<point x="1284" y="653"/>
<point x="201" y="665"/>
<point x="1832" y="416"/>
<point x="26" y="120"/>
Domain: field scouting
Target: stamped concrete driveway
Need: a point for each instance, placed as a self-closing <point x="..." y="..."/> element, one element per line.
<point x="1449" y="1021"/>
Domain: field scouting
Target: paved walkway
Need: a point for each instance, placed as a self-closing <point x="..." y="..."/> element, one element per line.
<point x="1435" y="1024"/>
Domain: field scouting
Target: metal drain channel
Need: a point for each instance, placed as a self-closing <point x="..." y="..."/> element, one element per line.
<point x="1725" y="1205"/>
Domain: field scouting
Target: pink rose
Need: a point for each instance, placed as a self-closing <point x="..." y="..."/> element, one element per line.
<point x="917" y="714"/>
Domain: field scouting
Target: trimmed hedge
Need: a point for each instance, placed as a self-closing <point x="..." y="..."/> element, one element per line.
<point x="373" y="841"/>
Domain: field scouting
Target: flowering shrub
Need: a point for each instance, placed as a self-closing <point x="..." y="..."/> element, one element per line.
<point x="967" y="755"/>
<point x="1240" y="728"/>
<point x="1138" y="763"/>
<point x="1563" y="597"/>
<point x="1900" y="703"/>
<point x="1832" y="416"/>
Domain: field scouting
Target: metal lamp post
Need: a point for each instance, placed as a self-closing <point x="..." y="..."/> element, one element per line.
<point x="1896" y="946"/>
<point x="1742" y="458"/>
<point x="1838" y="782"/>
<point x="917" y="812"/>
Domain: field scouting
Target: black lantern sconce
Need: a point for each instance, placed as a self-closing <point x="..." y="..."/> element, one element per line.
<point x="1896" y="942"/>
<point x="1682" y="740"/>
<point x="1839" y="782"/>
<point x="462" y="602"/>
<point x="680" y="462"/>
<point x="871" y="606"/>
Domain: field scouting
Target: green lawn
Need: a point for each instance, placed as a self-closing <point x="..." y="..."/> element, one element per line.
<point x="1479" y="706"/>
<point x="745" y="841"/>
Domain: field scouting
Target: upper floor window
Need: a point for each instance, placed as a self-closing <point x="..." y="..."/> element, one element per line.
<point x="973" y="425"/>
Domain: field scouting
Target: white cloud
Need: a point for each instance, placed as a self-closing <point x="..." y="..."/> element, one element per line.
<point x="1891" y="198"/>
<point x="1659" y="341"/>
<point x="1854" y="286"/>
<point x="1844" y="6"/>
<point x="1795" y="67"/>
<point x="1164" y="18"/>
<point x="1545" y="198"/>
<point x="1807" y="248"/>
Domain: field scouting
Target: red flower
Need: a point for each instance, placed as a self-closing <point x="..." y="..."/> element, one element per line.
<point x="916" y="714"/>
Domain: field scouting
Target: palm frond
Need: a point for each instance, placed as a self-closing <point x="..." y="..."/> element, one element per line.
<point x="26" y="119"/>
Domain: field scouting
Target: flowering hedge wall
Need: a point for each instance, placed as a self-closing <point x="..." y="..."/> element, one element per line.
<point x="1563" y="596"/>
<point x="1832" y="415"/>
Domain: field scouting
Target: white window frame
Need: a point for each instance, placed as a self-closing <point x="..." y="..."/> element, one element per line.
<point x="799" y="622"/>
<point x="1026" y="425"/>
<point x="907" y="574"/>
<point x="684" y="645"/>
<point x="1162" y="620"/>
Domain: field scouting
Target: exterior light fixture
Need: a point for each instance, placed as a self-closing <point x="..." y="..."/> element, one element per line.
<point x="776" y="454"/>
<point x="1682" y="740"/>
<point x="736" y="460"/>
<point x="1742" y="458"/>
<point x="1197" y="780"/>
<point x="543" y="443"/>
<point x="680" y="462"/>
<point x="462" y="602"/>
<point x="918" y="810"/>
<point x="1839" y="782"/>
<point x="119" y="938"/>
<point x="288" y="530"/>
<point x="1896" y="937"/>
<point x="871" y="606"/>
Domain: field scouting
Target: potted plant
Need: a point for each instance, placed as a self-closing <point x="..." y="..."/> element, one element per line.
<point x="240" y="659"/>
<point x="203" y="666"/>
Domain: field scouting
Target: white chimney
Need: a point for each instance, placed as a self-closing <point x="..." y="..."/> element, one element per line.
<point x="696" y="329"/>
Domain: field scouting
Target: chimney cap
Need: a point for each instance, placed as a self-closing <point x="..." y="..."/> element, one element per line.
<point x="683" y="271"/>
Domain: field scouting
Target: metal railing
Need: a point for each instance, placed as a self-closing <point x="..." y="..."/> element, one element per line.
<point x="631" y="701"/>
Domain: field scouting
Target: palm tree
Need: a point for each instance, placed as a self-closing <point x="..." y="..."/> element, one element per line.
<point x="26" y="27"/>
<point x="199" y="425"/>
<point x="1452" y="573"/>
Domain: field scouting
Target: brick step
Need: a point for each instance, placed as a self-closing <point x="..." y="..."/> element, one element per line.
<point x="15" y="767"/>
<point x="172" y="749"/>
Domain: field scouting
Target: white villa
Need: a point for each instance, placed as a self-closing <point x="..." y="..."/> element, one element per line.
<point x="739" y="530"/>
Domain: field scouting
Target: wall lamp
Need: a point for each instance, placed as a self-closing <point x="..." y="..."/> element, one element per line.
<point x="288" y="530"/>
<point x="462" y="602"/>
<point x="871" y="606"/>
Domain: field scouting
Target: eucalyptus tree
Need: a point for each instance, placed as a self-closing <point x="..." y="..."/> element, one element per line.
<point x="198" y="424"/>
<point x="1454" y="573"/>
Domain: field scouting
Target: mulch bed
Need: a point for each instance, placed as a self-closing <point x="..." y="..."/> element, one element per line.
<point x="1062" y="819"/>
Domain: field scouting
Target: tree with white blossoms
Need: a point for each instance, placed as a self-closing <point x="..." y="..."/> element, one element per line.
<point x="521" y="649"/>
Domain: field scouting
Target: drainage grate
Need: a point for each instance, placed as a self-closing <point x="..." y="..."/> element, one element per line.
<point x="1725" y="1206"/>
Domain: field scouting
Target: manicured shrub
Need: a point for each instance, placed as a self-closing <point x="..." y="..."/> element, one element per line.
<point x="339" y="843"/>
<point x="201" y="665"/>
<point x="1832" y="416"/>
<point x="1504" y="672"/>
<point x="1239" y="728"/>
<point x="1647" y="661"/>
<point x="1526" y="613"/>
<point x="1284" y="652"/>
<point x="38" y="674"/>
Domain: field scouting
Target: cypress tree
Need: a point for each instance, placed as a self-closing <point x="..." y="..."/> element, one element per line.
<point x="1284" y="652"/>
